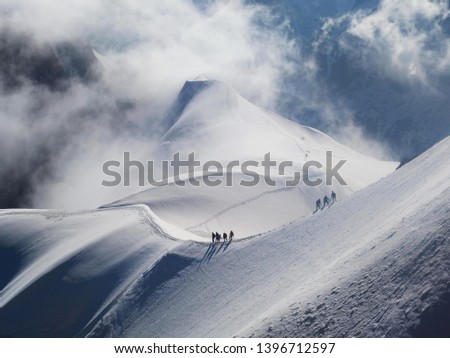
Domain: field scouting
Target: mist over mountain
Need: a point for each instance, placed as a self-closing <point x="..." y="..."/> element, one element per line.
<point x="67" y="109"/>
<point x="372" y="74"/>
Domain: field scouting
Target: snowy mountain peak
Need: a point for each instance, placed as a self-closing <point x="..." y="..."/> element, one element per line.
<point x="215" y="123"/>
<point x="192" y="88"/>
<point x="211" y="96"/>
<point x="211" y="119"/>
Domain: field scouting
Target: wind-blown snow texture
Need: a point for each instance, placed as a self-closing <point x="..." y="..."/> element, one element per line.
<point x="374" y="264"/>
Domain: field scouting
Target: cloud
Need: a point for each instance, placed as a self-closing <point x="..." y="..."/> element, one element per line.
<point x="66" y="111"/>
<point x="405" y="42"/>
<point x="381" y="77"/>
<point x="158" y="45"/>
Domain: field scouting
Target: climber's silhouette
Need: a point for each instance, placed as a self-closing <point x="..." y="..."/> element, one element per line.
<point x="326" y="202"/>
<point x="333" y="197"/>
<point x="318" y="205"/>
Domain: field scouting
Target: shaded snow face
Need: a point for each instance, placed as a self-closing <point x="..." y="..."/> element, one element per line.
<point x="66" y="109"/>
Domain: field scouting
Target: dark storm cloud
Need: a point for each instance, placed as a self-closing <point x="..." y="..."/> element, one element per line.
<point x="51" y="66"/>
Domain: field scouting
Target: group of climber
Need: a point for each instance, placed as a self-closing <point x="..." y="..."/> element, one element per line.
<point x="326" y="202"/>
<point x="216" y="237"/>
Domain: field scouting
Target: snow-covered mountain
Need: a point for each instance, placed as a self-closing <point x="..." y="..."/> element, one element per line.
<point x="373" y="264"/>
<point x="211" y="120"/>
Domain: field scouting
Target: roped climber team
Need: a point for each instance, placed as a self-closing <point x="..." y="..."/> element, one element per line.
<point x="216" y="237"/>
<point x="326" y="202"/>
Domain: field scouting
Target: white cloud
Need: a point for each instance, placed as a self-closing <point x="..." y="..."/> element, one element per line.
<point x="404" y="40"/>
<point x="150" y="48"/>
<point x="392" y="60"/>
<point x="157" y="45"/>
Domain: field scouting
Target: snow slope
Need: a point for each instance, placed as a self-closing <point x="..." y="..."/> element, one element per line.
<point x="211" y="120"/>
<point x="374" y="264"/>
<point x="69" y="266"/>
